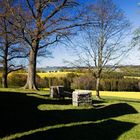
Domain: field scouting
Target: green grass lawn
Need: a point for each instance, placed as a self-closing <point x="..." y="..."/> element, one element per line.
<point x="35" y="116"/>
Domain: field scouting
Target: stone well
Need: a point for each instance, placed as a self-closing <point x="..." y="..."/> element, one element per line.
<point x="82" y="98"/>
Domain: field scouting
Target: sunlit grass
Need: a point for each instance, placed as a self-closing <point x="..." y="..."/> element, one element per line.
<point x="44" y="129"/>
<point x="132" y="77"/>
<point x="46" y="91"/>
<point x="21" y="90"/>
<point x="132" y="95"/>
<point x="46" y="107"/>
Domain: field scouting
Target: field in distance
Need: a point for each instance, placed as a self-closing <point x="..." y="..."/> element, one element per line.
<point x="53" y="74"/>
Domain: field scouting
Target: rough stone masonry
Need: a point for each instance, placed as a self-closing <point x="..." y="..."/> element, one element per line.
<point x="82" y="98"/>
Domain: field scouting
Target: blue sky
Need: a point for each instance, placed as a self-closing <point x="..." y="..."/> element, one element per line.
<point x="132" y="11"/>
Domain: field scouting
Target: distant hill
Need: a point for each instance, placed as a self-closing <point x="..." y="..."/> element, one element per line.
<point x="54" y="68"/>
<point x="128" y="69"/>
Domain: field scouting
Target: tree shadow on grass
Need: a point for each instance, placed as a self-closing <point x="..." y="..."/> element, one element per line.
<point x="106" y="130"/>
<point x="19" y="113"/>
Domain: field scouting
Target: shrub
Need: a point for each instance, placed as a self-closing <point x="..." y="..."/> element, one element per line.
<point x="105" y="84"/>
<point x="119" y="85"/>
<point x="112" y="75"/>
<point x="16" y="79"/>
<point x="86" y="82"/>
<point x="42" y="82"/>
<point x="128" y="85"/>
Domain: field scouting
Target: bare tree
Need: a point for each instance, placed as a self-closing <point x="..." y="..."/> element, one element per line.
<point x="44" y="23"/>
<point x="136" y="36"/>
<point x="9" y="46"/>
<point x="103" y="41"/>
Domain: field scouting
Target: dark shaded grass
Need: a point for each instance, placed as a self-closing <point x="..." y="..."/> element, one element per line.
<point x="107" y="130"/>
<point x="19" y="113"/>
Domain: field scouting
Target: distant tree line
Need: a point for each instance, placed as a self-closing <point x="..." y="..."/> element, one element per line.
<point x="113" y="82"/>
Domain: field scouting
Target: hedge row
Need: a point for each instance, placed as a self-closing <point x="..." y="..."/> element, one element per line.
<point x="85" y="81"/>
<point x="89" y="83"/>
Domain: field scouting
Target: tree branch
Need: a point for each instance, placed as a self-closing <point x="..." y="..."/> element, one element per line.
<point x="57" y="9"/>
<point x="31" y="8"/>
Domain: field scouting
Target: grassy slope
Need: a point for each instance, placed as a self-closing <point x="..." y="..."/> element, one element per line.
<point x="26" y="115"/>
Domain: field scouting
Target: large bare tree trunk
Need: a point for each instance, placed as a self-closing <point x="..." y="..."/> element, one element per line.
<point x="5" y="68"/>
<point x="31" y="77"/>
<point x="4" y="75"/>
<point x="97" y="88"/>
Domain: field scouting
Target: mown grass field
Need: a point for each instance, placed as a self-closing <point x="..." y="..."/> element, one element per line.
<point x="132" y="77"/>
<point x="46" y="74"/>
<point x="53" y="74"/>
<point x="35" y="116"/>
<point x="128" y="95"/>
